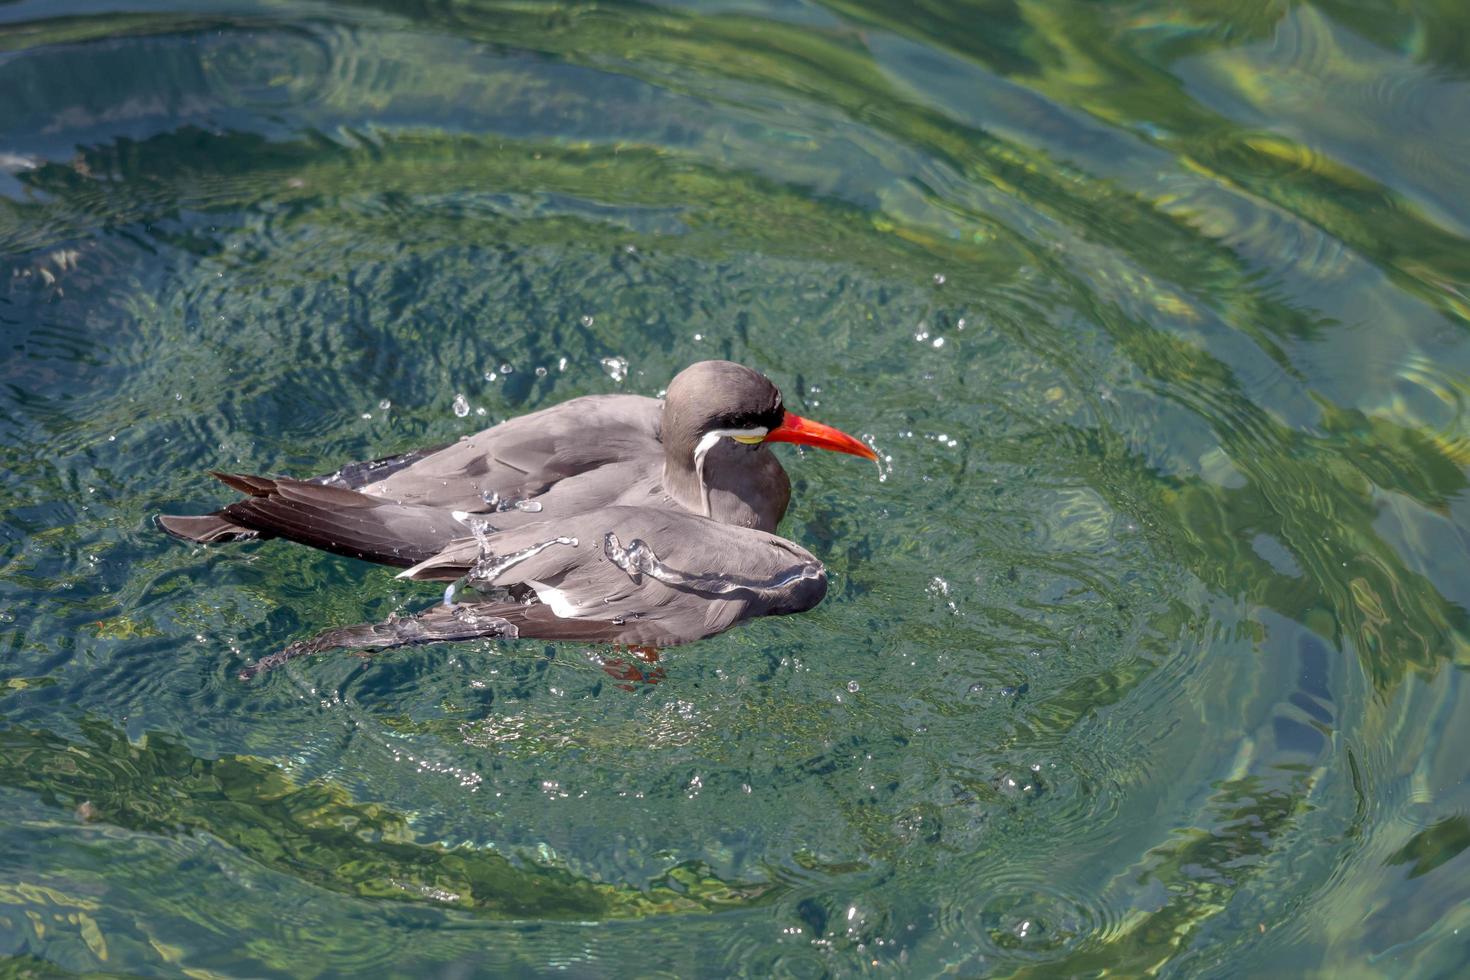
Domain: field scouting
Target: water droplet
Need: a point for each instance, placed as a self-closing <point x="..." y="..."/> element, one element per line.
<point x="587" y="320"/>
<point x="540" y="372"/>
<point x="616" y="367"/>
<point x="938" y="342"/>
<point x="491" y="566"/>
<point x="493" y="501"/>
<point x="506" y="369"/>
<point x="852" y="687"/>
<point x="461" y="406"/>
<point x="939" y="279"/>
<point x="561" y="365"/>
<point x="385" y="404"/>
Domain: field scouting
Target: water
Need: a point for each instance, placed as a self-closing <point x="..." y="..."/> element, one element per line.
<point x="491" y="566"/>
<point x="1190" y="465"/>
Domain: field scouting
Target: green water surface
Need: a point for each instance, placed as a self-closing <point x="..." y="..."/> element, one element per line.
<point x="1144" y="652"/>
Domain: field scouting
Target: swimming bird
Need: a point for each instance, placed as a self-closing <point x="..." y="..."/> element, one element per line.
<point x="621" y="519"/>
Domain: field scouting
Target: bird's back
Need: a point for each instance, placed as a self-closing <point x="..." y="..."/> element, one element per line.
<point x="525" y="456"/>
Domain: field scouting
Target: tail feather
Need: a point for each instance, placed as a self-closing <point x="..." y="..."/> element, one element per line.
<point x="216" y="528"/>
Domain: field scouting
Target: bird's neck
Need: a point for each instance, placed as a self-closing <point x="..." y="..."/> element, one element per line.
<point x="730" y="484"/>
<point x="684" y="476"/>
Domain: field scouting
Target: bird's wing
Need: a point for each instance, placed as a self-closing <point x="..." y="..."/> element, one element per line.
<point x="338" y="520"/>
<point x="519" y="458"/>
<point x="524" y="456"/>
<point x="639" y="575"/>
<point x="355" y="476"/>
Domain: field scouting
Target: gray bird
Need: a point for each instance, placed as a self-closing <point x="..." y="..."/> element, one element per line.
<point x="608" y="518"/>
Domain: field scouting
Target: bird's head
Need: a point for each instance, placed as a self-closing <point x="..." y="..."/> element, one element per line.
<point x="716" y="400"/>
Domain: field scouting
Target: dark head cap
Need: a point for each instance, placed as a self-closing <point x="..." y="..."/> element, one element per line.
<point x="715" y="395"/>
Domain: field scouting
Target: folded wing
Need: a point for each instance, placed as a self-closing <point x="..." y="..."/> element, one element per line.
<point x="638" y="576"/>
<point x="522" y="457"/>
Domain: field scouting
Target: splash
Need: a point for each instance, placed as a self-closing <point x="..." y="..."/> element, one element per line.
<point x="884" y="462"/>
<point x="490" y="566"/>
<point x="638" y="559"/>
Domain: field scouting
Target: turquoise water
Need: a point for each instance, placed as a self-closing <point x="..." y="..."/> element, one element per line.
<point x="1146" y="654"/>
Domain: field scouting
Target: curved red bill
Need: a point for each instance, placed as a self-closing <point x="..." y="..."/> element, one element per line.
<point x="794" y="428"/>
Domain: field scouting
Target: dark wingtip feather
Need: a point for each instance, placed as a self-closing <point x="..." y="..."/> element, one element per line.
<point x="341" y="521"/>
<point x="434" y="625"/>
<point x="204" y="529"/>
<point x="251" y="486"/>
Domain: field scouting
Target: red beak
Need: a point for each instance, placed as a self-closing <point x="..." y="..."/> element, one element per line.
<point x="794" y="428"/>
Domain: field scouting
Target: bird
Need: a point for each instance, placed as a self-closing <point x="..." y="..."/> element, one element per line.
<point x="641" y="522"/>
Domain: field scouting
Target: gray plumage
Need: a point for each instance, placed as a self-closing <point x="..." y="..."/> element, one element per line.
<point x="605" y="472"/>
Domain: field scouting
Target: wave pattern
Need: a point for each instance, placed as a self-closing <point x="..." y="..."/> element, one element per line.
<point x="1144" y="655"/>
